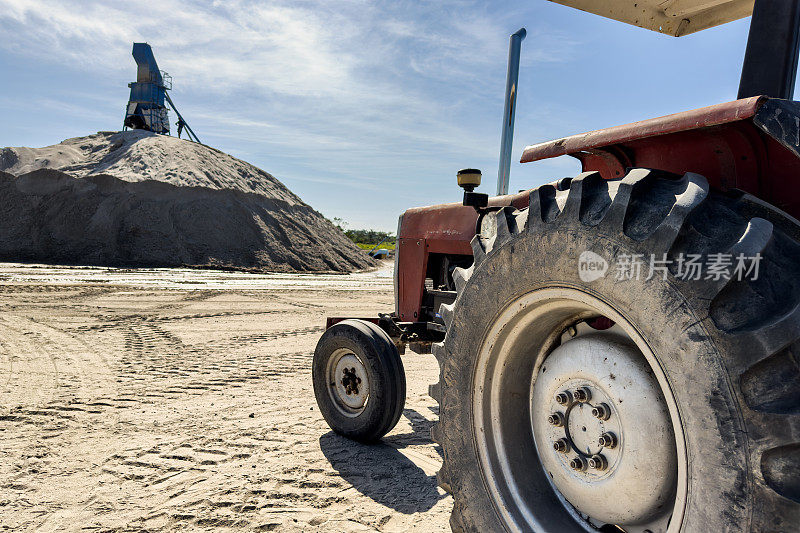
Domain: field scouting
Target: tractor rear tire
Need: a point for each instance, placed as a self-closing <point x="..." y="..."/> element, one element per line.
<point x="359" y="380"/>
<point x="721" y="358"/>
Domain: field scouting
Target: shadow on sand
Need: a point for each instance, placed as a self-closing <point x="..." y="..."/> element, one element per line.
<point x="380" y="472"/>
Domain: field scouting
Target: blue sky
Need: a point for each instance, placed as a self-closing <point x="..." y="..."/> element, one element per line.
<point x="362" y="108"/>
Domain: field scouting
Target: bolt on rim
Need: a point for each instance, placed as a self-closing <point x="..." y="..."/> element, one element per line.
<point x="347" y="382"/>
<point x="568" y="468"/>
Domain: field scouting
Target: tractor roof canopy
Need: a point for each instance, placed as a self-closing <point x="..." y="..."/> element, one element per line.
<point x="673" y="17"/>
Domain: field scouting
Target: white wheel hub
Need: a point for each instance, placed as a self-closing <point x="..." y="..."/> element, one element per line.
<point x="603" y="430"/>
<point x="348" y="384"/>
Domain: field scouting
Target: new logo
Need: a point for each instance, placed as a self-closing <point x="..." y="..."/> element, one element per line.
<point x="591" y="266"/>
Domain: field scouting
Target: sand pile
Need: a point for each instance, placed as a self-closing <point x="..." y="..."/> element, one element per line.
<point x="139" y="199"/>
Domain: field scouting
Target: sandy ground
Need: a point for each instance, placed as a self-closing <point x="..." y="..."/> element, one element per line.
<point x="181" y="400"/>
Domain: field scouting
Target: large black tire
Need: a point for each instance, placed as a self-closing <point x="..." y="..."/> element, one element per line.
<point x="729" y="350"/>
<point x="385" y="376"/>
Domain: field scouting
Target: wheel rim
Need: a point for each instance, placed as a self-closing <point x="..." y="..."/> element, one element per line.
<point x="533" y="485"/>
<point x="348" y="384"/>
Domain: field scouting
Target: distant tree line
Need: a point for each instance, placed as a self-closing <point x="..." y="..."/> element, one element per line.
<point x="364" y="236"/>
<point x="368" y="236"/>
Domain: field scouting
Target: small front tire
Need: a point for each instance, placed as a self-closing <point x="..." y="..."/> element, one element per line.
<point x="359" y="381"/>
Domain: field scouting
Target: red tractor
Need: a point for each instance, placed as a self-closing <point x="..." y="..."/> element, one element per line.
<point x="618" y="351"/>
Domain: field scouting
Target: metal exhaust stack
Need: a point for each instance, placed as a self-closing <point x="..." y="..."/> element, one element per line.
<point x="515" y="42"/>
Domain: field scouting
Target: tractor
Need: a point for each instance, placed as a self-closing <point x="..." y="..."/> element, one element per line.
<point x="618" y="351"/>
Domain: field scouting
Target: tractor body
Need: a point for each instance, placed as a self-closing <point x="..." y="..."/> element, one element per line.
<point x="572" y="401"/>
<point x="751" y="145"/>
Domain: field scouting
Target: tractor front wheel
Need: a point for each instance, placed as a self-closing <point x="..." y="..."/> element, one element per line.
<point x="359" y="381"/>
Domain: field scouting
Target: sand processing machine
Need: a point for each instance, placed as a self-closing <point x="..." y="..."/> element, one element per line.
<point x="618" y="351"/>
<point x="147" y="106"/>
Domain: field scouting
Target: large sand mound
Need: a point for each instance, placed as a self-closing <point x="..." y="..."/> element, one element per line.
<point x="139" y="199"/>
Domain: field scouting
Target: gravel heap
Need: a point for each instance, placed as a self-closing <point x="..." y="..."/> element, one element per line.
<point x="135" y="198"/>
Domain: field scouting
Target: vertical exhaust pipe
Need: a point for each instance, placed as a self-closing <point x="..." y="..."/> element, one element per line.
<point x="515" y="42"/>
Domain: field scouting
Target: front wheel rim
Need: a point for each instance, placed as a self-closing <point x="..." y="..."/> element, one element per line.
<point x="518" y="341"/>
<point x="347" y="382"/>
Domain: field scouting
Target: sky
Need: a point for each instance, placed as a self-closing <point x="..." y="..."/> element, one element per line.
<point x="362" y="108"/>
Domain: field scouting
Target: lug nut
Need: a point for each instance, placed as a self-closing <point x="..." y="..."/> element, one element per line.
<point x="556" y="419"/>
<point x="577" y="464"/>
<point x="602" y="411"/>
<point x="564" y="398"/>
<point x="598" y="462"/>
<point x="582" y="394"/>
<point x="607" y="440"/>
<point x="561" y="445"/>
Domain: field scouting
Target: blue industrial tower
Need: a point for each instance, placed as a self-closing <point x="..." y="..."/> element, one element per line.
<point x="147" y="109"/>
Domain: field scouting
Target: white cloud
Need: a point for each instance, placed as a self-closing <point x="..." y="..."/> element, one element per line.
<point x="354" y="82"/>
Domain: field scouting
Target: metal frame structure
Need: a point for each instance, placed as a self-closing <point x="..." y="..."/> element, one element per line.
<point x="189" y="131"/>
<point x="146" y="108"/>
